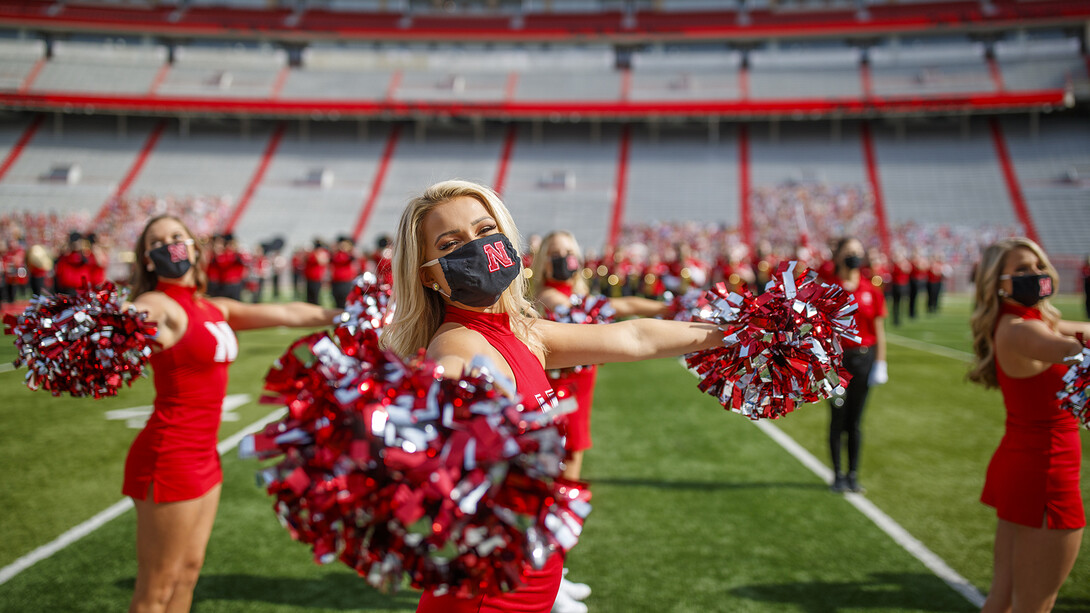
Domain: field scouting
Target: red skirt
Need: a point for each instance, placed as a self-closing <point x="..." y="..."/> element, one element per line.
<point x="577" y="423"/>
<point x="177" y="471"/>
<point x="536" y="596"/>
<point x="1033" y="479"/>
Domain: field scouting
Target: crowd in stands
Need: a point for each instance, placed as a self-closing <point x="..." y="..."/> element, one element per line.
<point x="793" y="221"/>
<point x="796" y="213"/>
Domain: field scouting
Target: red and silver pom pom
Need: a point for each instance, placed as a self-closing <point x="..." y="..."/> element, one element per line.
<point x="83" y="345"/>
<point x="781" y="348"/>
<point x="399" y="472"/>
<point x="694" y="304"/>
<point x="368" y="304"/>
<point x="1075" y="396"/>
<point x="584" y="310"/>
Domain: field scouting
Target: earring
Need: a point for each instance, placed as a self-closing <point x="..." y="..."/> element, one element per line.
<point x="435" y="286"/>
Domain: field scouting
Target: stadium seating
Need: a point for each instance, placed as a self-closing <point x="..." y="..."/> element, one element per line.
<point x="111" y="68"/>
<point x="560" y="21"/>
<point x="1040" y="64"/>
<point x="699" y="183"/>
<point x="18" y="58"/>
<point x="1053" y="169"/>
<point x="798" y="79"/>
<point x="223" y="72"/>
<point x="805" y="73"/>
<point x="564" y="174"/>
<point x="934" y="174"/>
<point x="928" y="69"/>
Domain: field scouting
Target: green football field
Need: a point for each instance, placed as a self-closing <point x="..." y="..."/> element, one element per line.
<point x="695" y="508"/>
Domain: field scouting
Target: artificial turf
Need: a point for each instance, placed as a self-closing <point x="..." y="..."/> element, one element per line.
<point x="694" y="508"/>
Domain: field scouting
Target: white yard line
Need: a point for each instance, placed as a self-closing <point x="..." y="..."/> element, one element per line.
<point x="115" y="510"/>
<point x="6" y="367"/>
<point x="886" y="523"/>
<point x="945" y="352"/>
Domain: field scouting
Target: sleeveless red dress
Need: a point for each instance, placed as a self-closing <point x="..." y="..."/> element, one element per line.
<point x="581" y="383"/>
<point x="176" y="450"/>
<point x="539" y="586"/>
<point x="1033" y="478"/>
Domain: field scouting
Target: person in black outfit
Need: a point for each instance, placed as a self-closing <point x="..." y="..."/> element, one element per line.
<point x="865" y="361"/>
<point x="1086" y="284"/>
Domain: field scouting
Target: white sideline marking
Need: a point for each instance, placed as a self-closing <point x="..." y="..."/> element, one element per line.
<point x="945" y="352"/>
<point x="5" y="367"/>
<point x="114" y="510"/>
<point x="137" y="417"/>
<point x="901" y="536"/>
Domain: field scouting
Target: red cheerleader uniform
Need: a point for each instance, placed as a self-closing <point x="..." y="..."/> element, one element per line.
<point x="540" y="587"/>
<point x="176" y="450"/>
<point x="581" y="383"/>
<point x="1033" y="477"/>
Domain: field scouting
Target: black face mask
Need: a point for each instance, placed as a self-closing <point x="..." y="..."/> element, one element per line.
<point x="480" y="270"/>
<point x="1028" y="290"/>
<point x="564" y="266"/>
<point x="853" y="262"/>
<point x="172" y="260"/>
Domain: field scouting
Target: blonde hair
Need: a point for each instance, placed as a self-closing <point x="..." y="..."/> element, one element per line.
<point x="144" y="280"/>
<point x="986" y="309"/>
<point x="420" y="310"/>
<point x="537" y="278"/>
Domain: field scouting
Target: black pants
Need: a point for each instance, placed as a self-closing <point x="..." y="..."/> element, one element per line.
<point x="914" y="287"/>
<point x="899" y="292"/>
<point x="846" y="410"/>
<point x="231" y="290"/>
<point x="934" y="290"/>
<point x="37" y="285"/>
<point x="1086" y="291"/>
<point x="340" y="290"/>
<point x="314" y="291"/>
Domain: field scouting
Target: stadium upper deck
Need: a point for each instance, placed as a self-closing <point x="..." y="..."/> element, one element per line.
<point x="831" y="79"/>
<point x="628" y="21"/>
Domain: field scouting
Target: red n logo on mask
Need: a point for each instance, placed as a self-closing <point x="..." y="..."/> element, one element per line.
<point x="497" y="256"/>
<point x="1046" y="286"/>
<point x="178" y="252"/>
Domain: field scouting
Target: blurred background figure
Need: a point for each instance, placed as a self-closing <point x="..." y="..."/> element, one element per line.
<point x="902" y="279"/>
<point x="865" y="361"/>
<point x="343" y="269"/>
<point x="73" y="267"/>
<point x="1085" y="273"/>
<point x="383" y="260"/>
<point x="315" y="270"/>
<point x="936" y="272"/>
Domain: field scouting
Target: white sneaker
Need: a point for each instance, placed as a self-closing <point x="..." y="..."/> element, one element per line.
<point x="567" y="604"/>
<point x="577" y="591"/>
